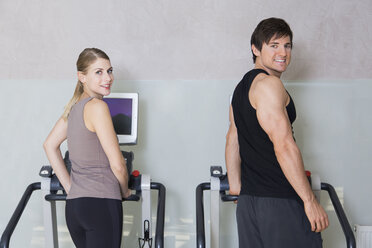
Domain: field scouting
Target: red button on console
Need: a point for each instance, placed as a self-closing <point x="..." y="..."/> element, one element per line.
<point x="135" y="173"/>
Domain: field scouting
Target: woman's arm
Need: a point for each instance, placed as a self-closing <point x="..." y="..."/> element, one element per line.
<point x="98" y="119"/>
<point x="52" y="149"/>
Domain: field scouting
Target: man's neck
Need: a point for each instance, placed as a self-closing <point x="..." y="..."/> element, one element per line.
<point x="259" y="65"/>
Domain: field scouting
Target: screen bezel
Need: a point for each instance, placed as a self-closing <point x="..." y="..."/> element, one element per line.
<point x="125" y="139"/>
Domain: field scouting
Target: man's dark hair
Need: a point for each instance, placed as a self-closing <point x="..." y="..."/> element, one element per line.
<point x="266" y="30"/>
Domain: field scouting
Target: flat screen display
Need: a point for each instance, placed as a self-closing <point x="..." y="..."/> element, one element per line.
<point x="121" y="113"/>
<point x="124" y="109"/>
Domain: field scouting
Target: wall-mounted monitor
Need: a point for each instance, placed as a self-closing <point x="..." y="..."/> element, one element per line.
<point x="124" y="112"/>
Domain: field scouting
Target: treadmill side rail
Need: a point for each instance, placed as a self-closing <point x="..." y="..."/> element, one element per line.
<point x="5" y="238"/>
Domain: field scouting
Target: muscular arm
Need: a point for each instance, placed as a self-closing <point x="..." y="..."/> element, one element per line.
<point x="270" y="100"/>
<point x="98" y="119"/>
<point x="52" y="149"/>
<point x="232" y="156"/>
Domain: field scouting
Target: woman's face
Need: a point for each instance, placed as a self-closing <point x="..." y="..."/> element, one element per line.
<point x="98" y="79"/>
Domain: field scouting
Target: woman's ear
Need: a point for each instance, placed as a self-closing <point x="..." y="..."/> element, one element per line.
<point x="81" y="76"/>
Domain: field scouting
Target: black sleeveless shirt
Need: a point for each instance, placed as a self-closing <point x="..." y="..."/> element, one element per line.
<point x="261" y="174"/>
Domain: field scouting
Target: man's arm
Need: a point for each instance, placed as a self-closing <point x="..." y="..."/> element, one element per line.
<point x="270" y="98"/>
<point x="232" y="157"/>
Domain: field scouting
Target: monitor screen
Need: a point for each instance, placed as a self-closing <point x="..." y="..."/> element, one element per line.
<point x="124" y="109"/>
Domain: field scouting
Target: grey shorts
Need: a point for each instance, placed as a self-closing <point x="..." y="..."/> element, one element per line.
<point x="274" y="223"/>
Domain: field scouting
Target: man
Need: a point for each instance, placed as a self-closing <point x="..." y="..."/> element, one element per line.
<point x="276" y="206"/>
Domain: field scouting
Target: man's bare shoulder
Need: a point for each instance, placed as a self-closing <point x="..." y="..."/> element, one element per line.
<point x="265" y="82"/>
<point x="267" y="87"/>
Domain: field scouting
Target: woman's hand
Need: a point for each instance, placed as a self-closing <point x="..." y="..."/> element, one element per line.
<point x="67" y="188"/>
<point x="126" y="194"/>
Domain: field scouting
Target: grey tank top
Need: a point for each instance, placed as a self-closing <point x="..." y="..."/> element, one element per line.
<point x="91" y="174"/>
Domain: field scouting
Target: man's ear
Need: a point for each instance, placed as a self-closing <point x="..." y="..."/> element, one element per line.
<point x="81" y="76"/>
<point x="256" y="51"/>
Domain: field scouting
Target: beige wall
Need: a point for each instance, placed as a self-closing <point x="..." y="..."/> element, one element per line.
<point x="175" y="39"/>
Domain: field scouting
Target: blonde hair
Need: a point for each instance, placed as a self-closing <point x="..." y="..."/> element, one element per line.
<point x="86" y="58"/>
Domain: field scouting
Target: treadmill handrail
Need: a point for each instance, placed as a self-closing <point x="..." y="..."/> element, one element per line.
<point x="62" y="197"/>
<point x="5" y="238"/>
<point x="160" y="215"/>
<point x="227" y="198"/>
<point x="348" y="232"/>
<point x="200" y="231"/>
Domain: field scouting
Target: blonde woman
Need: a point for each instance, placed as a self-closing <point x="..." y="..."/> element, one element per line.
<point x="99" y="178"/>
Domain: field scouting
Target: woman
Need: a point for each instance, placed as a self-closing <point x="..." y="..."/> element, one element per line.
<point x="99" y="178"/>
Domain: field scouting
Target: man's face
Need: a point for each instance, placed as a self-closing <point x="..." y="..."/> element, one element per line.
<point x="275" y="56"/>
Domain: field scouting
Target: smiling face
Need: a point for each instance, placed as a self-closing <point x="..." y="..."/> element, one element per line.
<point x="274" y="56"/>
<point x="98" y="78"/>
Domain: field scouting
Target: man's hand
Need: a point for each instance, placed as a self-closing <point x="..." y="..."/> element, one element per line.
<point x="316" y="215"/>
<point x="234" y="190"/>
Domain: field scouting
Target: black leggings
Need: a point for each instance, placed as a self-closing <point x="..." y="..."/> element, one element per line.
<point x="95" y="222"/>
